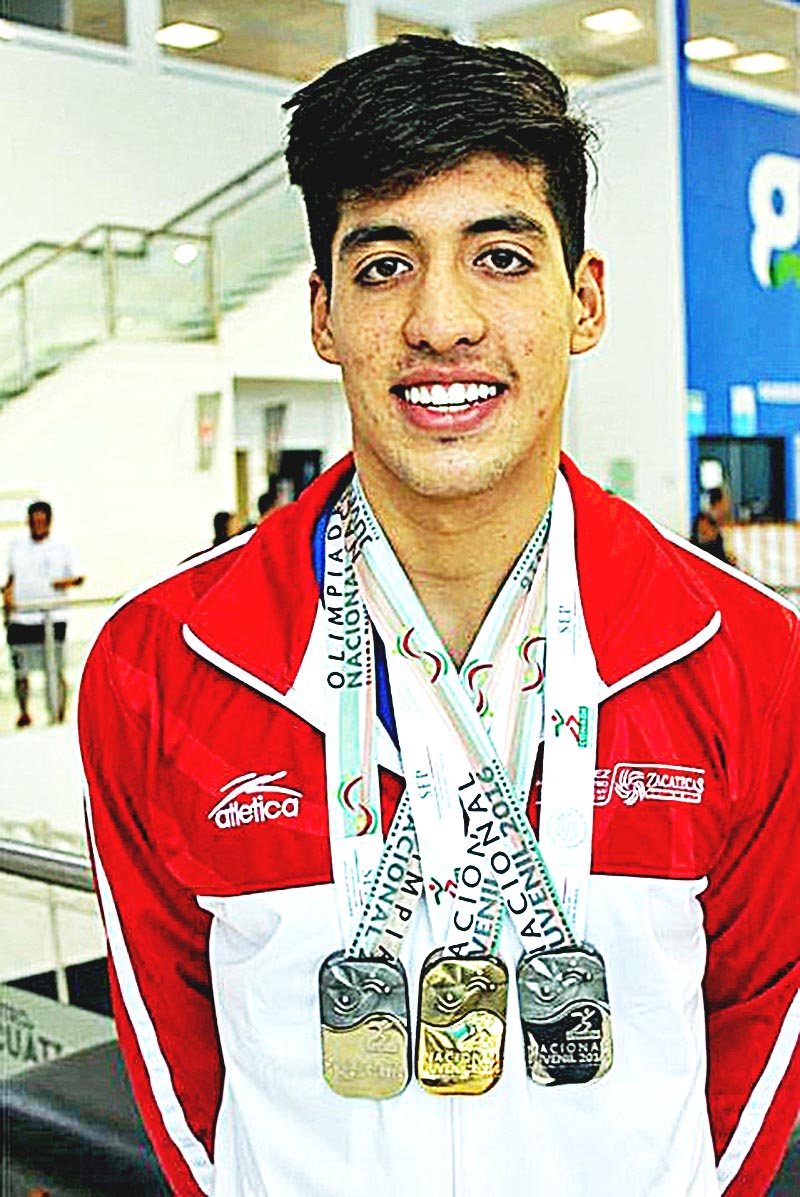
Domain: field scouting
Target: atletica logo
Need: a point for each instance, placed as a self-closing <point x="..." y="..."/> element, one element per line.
<point x="666" y="783"/>
<point x="435" y="663"/>
<point x="230" y="812"/>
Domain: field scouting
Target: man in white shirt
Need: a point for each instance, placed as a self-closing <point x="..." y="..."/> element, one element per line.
<point x="39" y="567"/>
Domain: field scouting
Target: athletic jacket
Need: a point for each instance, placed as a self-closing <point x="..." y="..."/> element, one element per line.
<point x="219" y="911"/>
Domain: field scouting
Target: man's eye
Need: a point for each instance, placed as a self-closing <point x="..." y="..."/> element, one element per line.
<point x="504" y="261"/>
<point x="381" y="270"/>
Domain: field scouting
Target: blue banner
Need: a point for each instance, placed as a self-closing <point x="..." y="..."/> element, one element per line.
<point x="742" y="266"/>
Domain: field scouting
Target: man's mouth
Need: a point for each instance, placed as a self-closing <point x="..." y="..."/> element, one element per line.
<point x="455" y="396"/>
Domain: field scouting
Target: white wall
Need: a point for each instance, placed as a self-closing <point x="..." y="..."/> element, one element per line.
<point x="270" y="337"/>
<point x="110" y="440"/>
<point x="316" y="417"/>
<point x="627" y="396"/>
<point x="100" y="138"/>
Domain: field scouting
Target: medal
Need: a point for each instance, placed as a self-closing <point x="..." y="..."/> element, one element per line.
<point x="364" y="1013"/>
<point x="462" y="1023"/>
<point x="566" y="1026"/>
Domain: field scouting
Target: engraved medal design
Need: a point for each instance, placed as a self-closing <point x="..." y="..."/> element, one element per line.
<point x="566" y="1026"/>
<point x="462" y="1023"/>
<point x="365" y="1039"/>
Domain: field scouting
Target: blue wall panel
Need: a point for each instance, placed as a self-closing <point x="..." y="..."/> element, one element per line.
<point x="742" y="260"/>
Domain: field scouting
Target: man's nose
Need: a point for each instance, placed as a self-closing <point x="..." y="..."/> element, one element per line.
<point x="444" y="313"/>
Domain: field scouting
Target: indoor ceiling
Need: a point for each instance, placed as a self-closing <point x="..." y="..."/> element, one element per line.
<point x="296" y="39"/>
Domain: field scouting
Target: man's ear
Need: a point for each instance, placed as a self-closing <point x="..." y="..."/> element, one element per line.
<point x="589" y="303"/>
<point x="321" y="333"/>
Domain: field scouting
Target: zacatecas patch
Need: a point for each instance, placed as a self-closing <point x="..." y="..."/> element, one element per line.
<point x="634" y="782"/>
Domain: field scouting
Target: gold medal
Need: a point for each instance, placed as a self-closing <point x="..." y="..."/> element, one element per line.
<point x="566" y="1023"/>
<point x="462" y="1023"/>
<point x="364" y="1016"/>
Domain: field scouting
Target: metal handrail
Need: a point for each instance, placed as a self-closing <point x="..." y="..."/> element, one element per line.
<point x="57" y="603"/>
<point x="8" y="263"/>
<point x="242" y="202"/>
<point x="70" y="247"/>
<point x="49" y="865"/>
<point x="213" y="195"/>
<point x="99" y="230"/>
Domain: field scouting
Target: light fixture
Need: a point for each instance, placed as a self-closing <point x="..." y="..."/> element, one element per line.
<point x="763" y="63"/>
<point x="616" y="21"/>
<point x="7" y="31"/>
<point x="707" y="49"/>
<point x="184" y="35"/>
<point x="185" y="254"/>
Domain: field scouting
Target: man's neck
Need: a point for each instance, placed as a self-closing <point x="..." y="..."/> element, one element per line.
<point x="457" y="552"/>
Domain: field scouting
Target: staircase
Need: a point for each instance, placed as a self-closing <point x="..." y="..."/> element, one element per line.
<point x="167" y="284"/>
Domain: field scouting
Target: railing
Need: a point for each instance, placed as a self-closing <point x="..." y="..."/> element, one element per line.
<point x="73" y="652"/>
<point x="770" y="552"/>
<point x="49" y="913"/>
<point x="70" y="870"/>
<point x="256" y="177"/>
<point x="168" y="283"/>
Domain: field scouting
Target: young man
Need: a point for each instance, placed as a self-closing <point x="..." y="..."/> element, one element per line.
<point x="40" y="567"/>
<point x="442" y="828"/>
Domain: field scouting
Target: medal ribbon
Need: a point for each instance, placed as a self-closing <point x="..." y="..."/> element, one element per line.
<point x="490" y="713"/>
<point x="440" y="730"/>
<point x="354" y="815"/>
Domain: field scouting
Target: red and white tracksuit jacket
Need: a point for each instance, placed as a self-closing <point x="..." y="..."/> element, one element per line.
<point x="217" y="923"/>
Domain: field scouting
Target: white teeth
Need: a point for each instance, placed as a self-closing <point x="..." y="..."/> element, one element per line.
<point x="456" y="396"/>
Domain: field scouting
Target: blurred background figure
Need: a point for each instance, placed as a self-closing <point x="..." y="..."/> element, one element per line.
<point x="226" y="525"/>
<point x="706" y="535"/>
<point x="720" y="509"/>
<point x="269" y="500"/>
<point x="39" y="566"/>
<point x="719" y="505"/>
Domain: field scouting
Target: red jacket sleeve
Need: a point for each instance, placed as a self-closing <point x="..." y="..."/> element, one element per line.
<point x="753" y="974"/>
<point x="157" y="934"/>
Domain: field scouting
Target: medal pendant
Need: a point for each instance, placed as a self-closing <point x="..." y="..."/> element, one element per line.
<point x="462" y="1023"/>
<point x="566" y="1024"/>
<point x="364" y="1012"/>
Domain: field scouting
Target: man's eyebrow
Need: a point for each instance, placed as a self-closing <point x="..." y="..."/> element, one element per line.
<point x="366" y="234"/>
<point x="507" y="222"/>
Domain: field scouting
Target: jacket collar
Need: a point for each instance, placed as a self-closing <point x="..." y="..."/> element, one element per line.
<point x="644" y="605"/>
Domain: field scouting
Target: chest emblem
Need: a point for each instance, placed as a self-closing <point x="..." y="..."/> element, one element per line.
<point x="634" y="782"/>
<point x="255" y="798"/>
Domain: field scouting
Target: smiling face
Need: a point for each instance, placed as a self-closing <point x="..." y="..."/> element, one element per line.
<point x="453" y="318"/>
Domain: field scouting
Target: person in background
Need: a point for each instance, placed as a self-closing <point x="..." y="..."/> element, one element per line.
<point x="706" y="535"/>
<point x="720" y="509"/>
<point x="225" y="526"/>
<point x="40" y="567"/>
<point x="719" y="505"/>
<point x="266" y="502"/>
<point x="269" y="500"/>
<point x="445" y="828"/>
